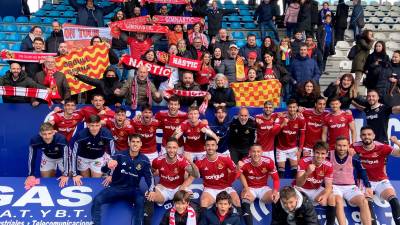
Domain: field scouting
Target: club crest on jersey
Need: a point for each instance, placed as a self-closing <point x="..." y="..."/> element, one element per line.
<point x="175" y="170"/>
<point x="247" y="132"/>
<point x="264" y="170"/>
<point x="296" y="126"/>
<point x="220" y="166"/>
<point x="121" y="133"/>
<point x="56" y="148"/>
<point x="321" y="173"/>
<point x="151" y="129"/>
<point x="138" y="167"/>
<point x="101" y="143"/>
<point x="176" y="120"/>
<point x="342" y="119"/>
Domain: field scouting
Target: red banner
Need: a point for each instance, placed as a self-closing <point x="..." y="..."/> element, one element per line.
<point x="176" y="2"/>
<point x="24" y="56"/>
<point x="152" y="68"/>
<point x="115" y="27"/>
<point x="170" y="92"/>
<point x="26" y="92"/>
<point x="178" y="62"/>
<point x="177" y="20"/>
<point x="118" y="1"/>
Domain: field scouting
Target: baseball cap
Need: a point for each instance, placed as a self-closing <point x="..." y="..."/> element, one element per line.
<point x="252" y="55"/>
<point x="233" y="46"/>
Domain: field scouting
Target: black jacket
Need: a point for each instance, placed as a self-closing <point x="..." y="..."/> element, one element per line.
<point x="215" y="19"/>
<point x="242" y="137"/>
<point x="98" y="12"/>
<point x="210" y="218"/>
<point x="304" y="215"/>
<point x="22" y="81"/>
<point x="330" y="92"/>
<point x="304" y="18"/>
<point x="180" y="219"/>
<point x="306" y="101"/>
<point x="321" y="37"/>
<point x="342" y="12"/>
<point x="222" y="95"/>
<point x="54" y="41"/>
<point x="223" y="45"/>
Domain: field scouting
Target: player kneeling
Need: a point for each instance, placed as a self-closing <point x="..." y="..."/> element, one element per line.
<point x="254" y="177"/>
<point x="344" y="182"/>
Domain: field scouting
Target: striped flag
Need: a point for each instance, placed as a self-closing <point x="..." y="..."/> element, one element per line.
<point x="26" y="92"/>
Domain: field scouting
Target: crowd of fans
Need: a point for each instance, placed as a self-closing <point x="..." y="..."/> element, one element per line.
<point x="221" y="149"/>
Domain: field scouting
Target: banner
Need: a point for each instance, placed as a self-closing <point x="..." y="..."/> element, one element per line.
<point x="26" y="92"/>
<point x="256" y="93"/>
<point x="48" y="204"/>
<point x="152" y="68"/>
<point x="177" y="20"/>
<point x="91" y="61"/>
<point x="176" y="2"/>
<point x="178" y="62"/>
<point x="116" y="27"/>
<point x="78" y="36"/>
<point x="24" y="56"/>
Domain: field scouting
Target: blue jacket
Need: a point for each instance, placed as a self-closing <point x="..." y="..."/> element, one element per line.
<point x="304" y="68"/>
<point x="210" y="218"/>
<point x="129" y="172"/>
<point x="221" y="130"/>
<point x="99" y="13"/>
<point x="92" y="147"/>
<point x="58" y="148"/>
<point x="265" y="12"/>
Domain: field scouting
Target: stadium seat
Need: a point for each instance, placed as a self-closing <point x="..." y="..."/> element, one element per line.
<point x="48" y="20"/>
<point x="388" y="20"/>
<point x="394" y="13"/>
<point x="224" y="25"/>
<point x="228" y="2"/>
<point x="374" y="20"/>
<point x="40" y="12"/>
<point x="229" y="6"/>
<point x="369" y="8"/>
<point x="1" y="19"/>
<point x="13" y="37"/>
<point x="392" y="45"/>
<point x="250" y="26"/>
<point x="10" y="28"/>
<point x="24" y="28"/>
<point x="244" y="12"/>
<point x="240" y="2"/>
<point x="4" y="70"/>
<point x="345" y="65"/>
<point x="242" y="7"/>
<point x="61" y="7"/>
<point x="383" y="27"/>
<point x="233" y="18"/>
<point x="369" y="26"/>
<point x="342" y="45"/>
<point x="69" y="13"/>
<point x="22" y="19"/>
<point x="240" y="43"/>
<point x="247" y="19"/>
<point x="16" y="47"/>
<point x="36" y="20"/>
<point x="237" y="35"/>
<point x="394" y="37"/>
<point x="2" y="36"/>
<point x="380" y="14"/>
<point x="62" y="20"/>
<point x="3" y="46"/>
<point x="368" y="13"/>
<point x="380" y="36"/>
<point x="1" y="27"/>
<point x="47" y="7"/>
<point x="8" y="19"/>
<point x="236" y="25"/>
<point x="396" y="27"/>
<point x="384" y="8"/>
<point x="54" y="13"/>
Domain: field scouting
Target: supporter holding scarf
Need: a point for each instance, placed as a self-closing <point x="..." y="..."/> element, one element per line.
<point x="182" y="213"/>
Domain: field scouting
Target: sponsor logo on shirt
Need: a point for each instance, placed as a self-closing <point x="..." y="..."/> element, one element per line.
<point x="370" y="117"/>
<point x="314" y="124"/>
<point x="313" y="180"/>
<point x="169" y="177"/>
<point x="338" y="125"/>
<point x="215" y="176"/>
<point x="369" y="162"/>
<point x="289" y="132"/>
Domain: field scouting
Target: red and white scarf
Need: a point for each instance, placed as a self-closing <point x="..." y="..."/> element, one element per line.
<point x="25" y="92"/>
<point x="135" y="92"/>
<point x="50" y="81"/>
<point x="191" y="219"/>
<point x="203" y="106"/>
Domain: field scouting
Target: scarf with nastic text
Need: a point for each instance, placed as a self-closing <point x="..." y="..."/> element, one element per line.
<point x="203" y="106"/>
<point x="26" y="92"/>
<point x="191" y="218"/>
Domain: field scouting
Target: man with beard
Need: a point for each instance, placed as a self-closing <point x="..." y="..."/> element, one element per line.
<point x="373" y="156"/>
<point x="56" y="37"/>
<point x="121" y="128"/>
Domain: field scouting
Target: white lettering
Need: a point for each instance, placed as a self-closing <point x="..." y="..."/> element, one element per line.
<point x="6" y="213"/>
<point x="44" y="213"/>
<point x="61" y="213"/>
<point x="5" y="199"/>
<point x="214" y="177"/>
<point x="44" y="198"/>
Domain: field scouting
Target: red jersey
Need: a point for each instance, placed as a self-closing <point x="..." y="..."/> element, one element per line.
<point x="374" y="161"/>
<point x="257" y="176"/>
<point x="120" y="134"/>
<point x="91" y="110"/>
<point x="292" y="135"/>
<point x="338" y="125"/>
<point x="218" y="174"/>
<point x="169" y="123"/>
<point x="148" y="133"/>
<point x="138" y="48"/>
<point x="171" y="175"/>
<point x="321" y="173"/>
<point x="314" y="123"/>
<point x="66" y="126"/>
<point x="195" y="138"/>
<point x="267" y="129"/>
<point x="205" y="75"/>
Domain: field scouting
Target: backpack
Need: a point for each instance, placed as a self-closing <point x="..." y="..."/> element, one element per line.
<point x="352" y="53"/>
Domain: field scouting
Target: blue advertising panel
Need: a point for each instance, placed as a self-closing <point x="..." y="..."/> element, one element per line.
<point x="47" y="204"/>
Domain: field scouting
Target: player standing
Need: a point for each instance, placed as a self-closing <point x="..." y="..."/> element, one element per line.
<point x="120" y="128"/>
<point x="97" y="108"/>
<point x="254" y="178"/>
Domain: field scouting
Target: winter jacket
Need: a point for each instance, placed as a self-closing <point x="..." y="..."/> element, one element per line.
<point x="223" y="45"/>
<point x="54" y="41"/>
<point x="222" y="95"/>
<point x="221" y="130"/>
<point x="242" y="137"/>
<point x="342" y="12"/>
<point x="363" y="48"/>
<point x="105" y="86"/>
<point x="373" y="58"/>
<point x="126" y="91"/>
<point x="292" y="12"/>
<point x="321" y="38"/>
<point x="22" y="81"/>
<point x="27" y="43"/>
<point x="378" y="77"/>
<point x="357" y="15"/>
<point x="306" y="101"/>
<point x="98" y="12"/>
<point x="215" y="18"/>
<point x="179" y="219"/>
<point x="322" y="13"/>
<point x="304" y="17"/>
<point x="295" y="45"/>
<point x="265" y="12"/>
<point x="61" y="81"/>
<point x="331" y="92"/>
<point x="303" y="69"/>
<point x="304" y="214"/>
<point x="211" y="218"/>
<point x="245" y="50"/>
<point x="228" y="68"/>
<point x="188" y="101"/>
<point x="314" y="13"/>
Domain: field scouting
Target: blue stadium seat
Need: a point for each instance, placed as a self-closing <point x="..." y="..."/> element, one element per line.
<point x="69" y="14"/>
<point x="242" y="7"/>
<point x="4" y="70"/>
<point x="237" y="35"/>
<point x="236" y="25"/>
<point x="40" y="12"/>
<point x="13" y="37"/>
<point x="1" y="27"/>
<point x="229" y="6"/>
<point x="3" y="46"/>
<point x="16" y="47"/>
<point x="61" y="7"/>
<point x="48" y="20"/>
<point x="48" y="29"/>
<point x="1" y="19"/>
<point x="47" y="7"/>
<point x="54" y="13"/>
<point x="247" y="18"/>
<point x="240" y="43"/>
<point x="10" y="28"/>
<point x="250" y="25"/>
<point x="62" y="20"/>
<point x="9" y="19"/>
<point x="258" y="42"/>
<point x="2" y="36"/>
<point x="224" y="25"/>
<point x="233" y="18"/>
<point x="24" y="28"/>
<point x="22" y="19"/>
<point x="36" y="20"/>
<point x="228" y="2"/>
<point x="240" y="2"/>
<point x="73" y="20"/>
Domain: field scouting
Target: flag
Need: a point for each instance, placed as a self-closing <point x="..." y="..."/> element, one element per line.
<point x="24" y="56"/>
<point x="26" y="92"/>
<point x="257" y="92"/>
